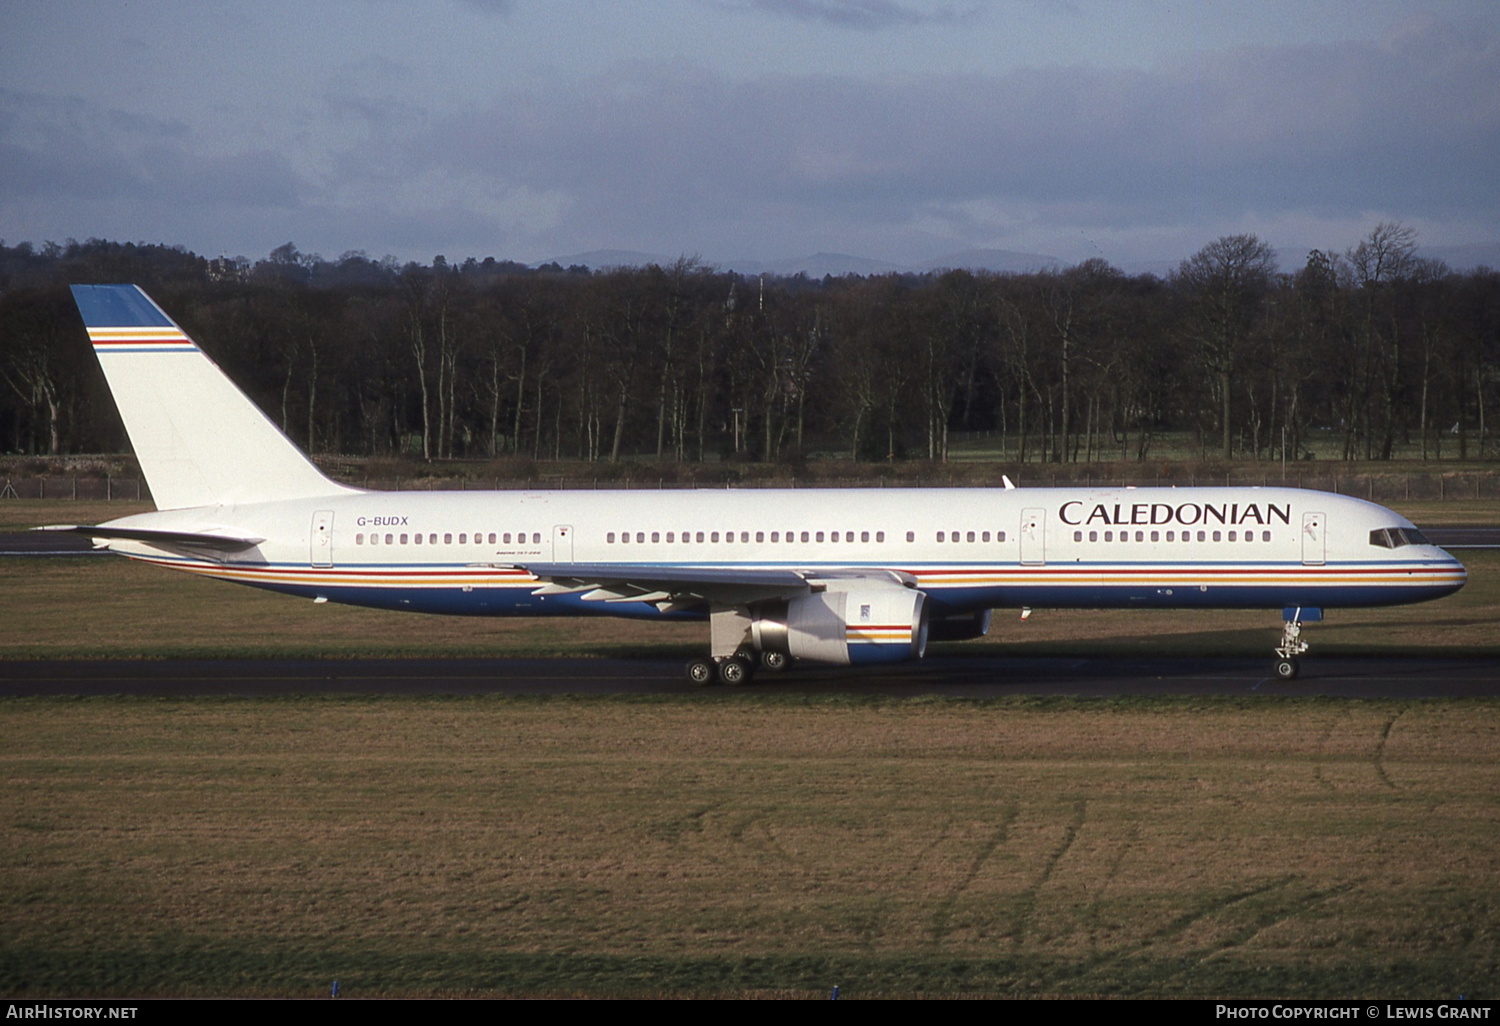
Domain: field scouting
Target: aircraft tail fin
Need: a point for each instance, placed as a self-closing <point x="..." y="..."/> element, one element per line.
<point x="199" y="439"/>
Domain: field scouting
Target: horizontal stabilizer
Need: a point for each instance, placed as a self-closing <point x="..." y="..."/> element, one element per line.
<point x="223" y="541"/>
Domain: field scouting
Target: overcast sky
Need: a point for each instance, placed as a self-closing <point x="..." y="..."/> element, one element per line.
<point x="901" y="130"/>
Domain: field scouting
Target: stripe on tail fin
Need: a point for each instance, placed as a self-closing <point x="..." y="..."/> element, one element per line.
<point x="199" y="439"/>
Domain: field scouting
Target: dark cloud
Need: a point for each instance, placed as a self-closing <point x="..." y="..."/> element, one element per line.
<point x="674" y="158"/>
<point x="1410" y="126"/>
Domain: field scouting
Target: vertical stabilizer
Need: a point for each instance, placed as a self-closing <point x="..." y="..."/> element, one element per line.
<point x="199" y="439"/>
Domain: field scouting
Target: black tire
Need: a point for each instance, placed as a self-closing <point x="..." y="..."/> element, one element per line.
<point x="702" y="672"/>
<point x="1287" y="669"/>
<point x="775" y="662"/>
<point x="734" y="671"/>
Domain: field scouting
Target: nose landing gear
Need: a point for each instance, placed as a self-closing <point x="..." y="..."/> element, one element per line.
<point x="1292" y="645"/>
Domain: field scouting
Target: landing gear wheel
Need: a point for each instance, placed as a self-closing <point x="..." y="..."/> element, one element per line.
<point x="702" y="672"/>
<point x="1286" y="669"/>
<point x="775" y="662"/>
<point x="734" y="670"/>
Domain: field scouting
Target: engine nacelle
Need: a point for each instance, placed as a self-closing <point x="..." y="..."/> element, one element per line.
<point x="848" y="623"/>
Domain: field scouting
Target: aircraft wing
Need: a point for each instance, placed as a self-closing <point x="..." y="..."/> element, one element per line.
<point x="683" y="587"/>
<point x="223" y="541"/>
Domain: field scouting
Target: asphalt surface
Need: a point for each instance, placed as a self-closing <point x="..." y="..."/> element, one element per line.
<point x="969" y="677"/>
<point x="57" y="543"/>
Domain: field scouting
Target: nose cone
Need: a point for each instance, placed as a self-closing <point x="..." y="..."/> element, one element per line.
<point x="1452" y="572"/>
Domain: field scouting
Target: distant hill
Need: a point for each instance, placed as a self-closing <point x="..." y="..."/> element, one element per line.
<point x="604" y="259"/>
<point x="1002" y="260"/>
<point x="820" y="265"/>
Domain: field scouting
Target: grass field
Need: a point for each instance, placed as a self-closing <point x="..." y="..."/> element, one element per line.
<point x="744" y="845"/>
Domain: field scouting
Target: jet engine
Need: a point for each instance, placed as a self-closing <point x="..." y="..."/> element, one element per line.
<point x="849" y="622"/>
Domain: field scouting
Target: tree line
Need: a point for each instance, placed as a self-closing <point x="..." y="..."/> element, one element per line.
<point x="1378" y="347"/>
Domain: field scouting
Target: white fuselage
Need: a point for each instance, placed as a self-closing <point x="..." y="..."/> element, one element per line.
<point x="967" y="549"/>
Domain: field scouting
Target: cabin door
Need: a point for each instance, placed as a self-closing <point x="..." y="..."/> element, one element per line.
<point x="321" y="541"/>
<point x="1314" y="546"/>
<point x="1034" y="536"/>
<point x="562" y="543"/>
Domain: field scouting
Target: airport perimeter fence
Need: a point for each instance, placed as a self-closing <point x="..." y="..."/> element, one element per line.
<point x="1392" y="486"/>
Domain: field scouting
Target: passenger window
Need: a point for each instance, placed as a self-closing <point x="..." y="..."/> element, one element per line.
<point x="999" y="536"/>
<point x="700" y="536"/>
<point x="1109" y="536"/>
<point x="417" y="540"/>
<point x="864" y="536"/>
<point x="359" y="539"/>
<point x="1202" y="536"/>
<point x="609" y="538"/>
<point x="1171" y="536"/>
<point x="493" y="536"/>
<point x="714" y="536"/>
<point x="1093" y="536"/>
<point x="760" y="536"/>
<point x="1156" y="536"/>
<point x="1216" y="536"/>
<point x="775" y="536"/>
<point x="403" y="539"/>
<point x="804" y="536"/>
<point x="388" y="538"/>
<point x="1265" y="536"/>
<point x="670" y="537"/>
<point x="1233" y="536"/>
<point x="1140" y="536"/>
<point x="655" y="537"/>
<point x="911" y="536"/>
<point x="880" y="536"/>
<point x="986" y="536"/>
<point x="745" y="537"/>
<point x="1077" y="536"/>
<point x="969" y="536"/>
<point x="447" y="539"/>
<point x="820" y="536"/>
<point x="940" y="536"/>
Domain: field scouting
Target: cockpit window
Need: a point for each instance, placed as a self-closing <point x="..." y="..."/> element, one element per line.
<point x="1395" y="537"/>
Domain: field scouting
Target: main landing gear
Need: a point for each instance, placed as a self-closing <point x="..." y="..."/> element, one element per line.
<point x="736" y="669"/>
<point x="1292" y="645"/>
<point x="733" y="656"/>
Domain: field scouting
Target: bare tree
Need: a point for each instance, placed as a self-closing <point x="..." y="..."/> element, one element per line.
<point x="1226" y="280"/>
